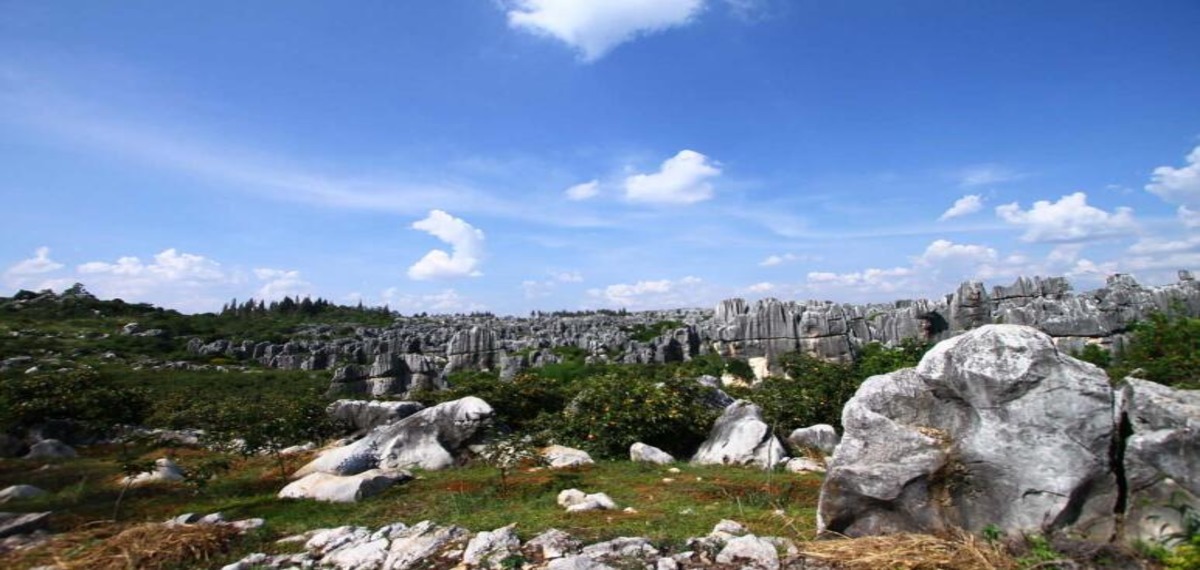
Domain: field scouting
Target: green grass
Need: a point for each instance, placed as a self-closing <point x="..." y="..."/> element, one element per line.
<point x="84" y="490"/>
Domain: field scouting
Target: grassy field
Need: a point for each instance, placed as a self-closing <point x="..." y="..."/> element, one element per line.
<point x="667" y="507"/>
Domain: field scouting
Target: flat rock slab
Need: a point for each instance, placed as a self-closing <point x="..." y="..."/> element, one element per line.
<point x="22" y="523"/>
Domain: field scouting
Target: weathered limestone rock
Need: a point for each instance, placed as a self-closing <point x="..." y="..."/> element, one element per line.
<point x="1162" y="456"/>
<point x="576" y="501"/>
<point x="472" y="349"/>
<point x="740" y="437"/>
<point x="51" y="449"/>
<point x="430" y="439"/>
<point x="551" y="544"/>
<point x="424" y="543"/>
<point x="820" y="437"/>
<point x="20" y="493"/>
<point x="165" y="471"/>
<point x="803" y="465"/>
<point x="560" y="456"/>
<point x="343" y="488"/>
<point x="22" y="523"/>
<point x="365" y="415"/>
<point x="642" y="453"/>
<point x="750" y="552"/>
<point x="994" y="427"/>
<point x="491" y="549"/>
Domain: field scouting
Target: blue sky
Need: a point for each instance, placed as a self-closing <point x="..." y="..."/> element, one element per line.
<point x="545" y="154"/>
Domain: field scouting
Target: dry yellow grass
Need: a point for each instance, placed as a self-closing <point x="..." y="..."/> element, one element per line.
<point x="141" y="547"/>
<point x="958" y="551"/>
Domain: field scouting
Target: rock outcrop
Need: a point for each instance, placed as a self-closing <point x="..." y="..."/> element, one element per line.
<point x="361" y="416"/>
<point x="419" y="353"/>
<point x="822" y="438"/>
<point x="430" y="545"/>
<point x="433" y="438"/>
<point x="343" y="488"/>
<point x="999" y="428"/>
<point x="1161" y="457"/>
<point x="741" y="437"/>
<point x="642" y="453"/>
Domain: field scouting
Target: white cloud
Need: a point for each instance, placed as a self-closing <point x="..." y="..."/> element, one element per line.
<point x="38" y="264"/>
<point x="594" y="27"/>
<point x="169" y="266"/>
<point x="445" y="301"/>
<point x="1068" y="219"/>
<point x="682" y="179"/>
<point x="583" y="191"/>
<point x="1159" y="247"/>
<point x="281" y="283"/>
<point x="662" y="293"/>
<point x="985" y="175"/>
<point x="182" y="280"/>
<point x="874" y="278"/>
<point x="1189" y="217"/>
<point x="568" y="277"/>
<point x="466" y="244"/>
<point x="968" y="204"/>
<point x="774" y="260"/>
<point x="942" y="251"/>
<point x="1178" y="185"/>
<point x="761" y="288"/>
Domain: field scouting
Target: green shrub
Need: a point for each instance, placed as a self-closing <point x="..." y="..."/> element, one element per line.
<point x="89" y="398"/>
<point x="874" y="358"/>
<point x="1095" y="355"/>
<point x="616" y="410"/>
<point x="1166" y="347"/>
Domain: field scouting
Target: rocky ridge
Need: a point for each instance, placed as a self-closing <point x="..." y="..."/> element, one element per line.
<point x="418" y="353"/>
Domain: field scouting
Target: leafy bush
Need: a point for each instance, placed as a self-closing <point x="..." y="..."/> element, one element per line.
<point x="1095" y="355"/>
<point x="93" y="400"/>
<point x="647" y="333"/>
<point x="616" y="410"/>
<point x="813" y="392"/>
<point x="518" y="403"/>
<point x="1166" y="347"/>
<point x="874" y="358"/>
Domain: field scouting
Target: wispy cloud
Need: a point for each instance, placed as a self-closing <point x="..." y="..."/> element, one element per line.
<point x="968" y="204"/>
<point x="986" y="175"/>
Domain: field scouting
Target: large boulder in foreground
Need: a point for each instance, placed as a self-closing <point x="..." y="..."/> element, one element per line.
<point x="1162" y="457"/>
<point x="432" y="438"/>
<point x="741" y="437"/>
<point x="993" y="427"/>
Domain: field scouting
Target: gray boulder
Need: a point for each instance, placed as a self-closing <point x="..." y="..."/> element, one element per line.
<point x="994" y="427"/>
<point x="561" y="456"/>
<point x="750" y="551"/>
<point x="820" y="437"/>
<point x="1162" y="457"/>
<point x="165" y="471"/>
<point x="740" y="437"/>
<point x="365" y="415"/>
<point x="51" y="449"/>
<point x="22" y="523"/>
<point x="343" y="489"/>
<point x="433" y="438"/>
<point x="576" y="501"/>
<point x="491" y="549"/>
<point x="20" y="493"/>
<point x="642" y="453"/>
